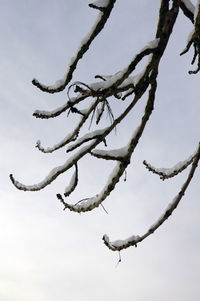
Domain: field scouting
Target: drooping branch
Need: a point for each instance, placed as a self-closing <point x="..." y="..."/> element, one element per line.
<point x="51" y="114"/>
<point x="124" y="161"/>
<point x="119" y="87"/>
<point x="166" y="173"/>
<point x="157" y="48"/>
<point x="194" y="40"/>
<point x="73" y="183"/>
<point x="111" y="86"/>
<point x="73" y="135"/>
<point x="83" y="48"/>
<point x="119" y="245"/>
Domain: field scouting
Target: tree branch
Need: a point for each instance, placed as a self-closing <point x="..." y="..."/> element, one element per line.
<point x="84" y="46"/>
<point x="135" y="239"/>
<point x="166" y="173"/>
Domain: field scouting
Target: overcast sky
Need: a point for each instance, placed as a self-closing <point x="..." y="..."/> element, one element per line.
<point x="48" y="254"/>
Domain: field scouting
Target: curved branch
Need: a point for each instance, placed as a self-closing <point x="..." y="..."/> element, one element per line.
<point x="71" y="137"/>
<point x="73" y="183"/>
<point x="84" y="46"/>
<point x="194" y="39"/>
<point x="91" y="203"/>
<point x="51" y="114"/>
<point x="140" y="88"/>
<point x="166" y="173"/>
<point x="87" y="137"/>
<point x="85" y="150"/>
<point x="55" y="172"/>
<point x="121" y="166"/>
<point x="134" y="240"/>
<point x="121" y="79"/>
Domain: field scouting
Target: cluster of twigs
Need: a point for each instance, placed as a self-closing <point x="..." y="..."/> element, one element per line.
<point x="122" y="85"/>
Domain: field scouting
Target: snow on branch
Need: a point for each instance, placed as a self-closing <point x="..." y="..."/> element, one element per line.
<point x="91" y="203"/>
<point x="109" y="85"/>
<point x="121" y="79"/>
<point x="166" y="173"/>
<point x="148" y="78"/>
<point x="55" y="172"/>
<point x="72" y="136"/>
<point x="84" y="46"/>
<point x="113" y="154"/>
<point x="119" y="245"/>
<point x="73" y="183"/>
<point x="97" y="138"/>
<point x="99" y="4"/>
<point x="87" y="137"/>
<point x="119" y="86"/>
<point x="194" y="40"/>
<point x="54" y="113"/>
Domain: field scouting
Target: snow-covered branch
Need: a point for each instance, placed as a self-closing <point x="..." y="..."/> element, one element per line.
<point x="123" y="161"/>
<point x="119" y="245"/>
<point x="93" y="202"/>
<point x="118" y="86"/>
<point x="121" y="79"/>
<point x="83" y="48"/>
<point x="73" y="183"/>
<point x="166" y="173"/>
<point x="56" y="112"/>
<point x="72" y="136"/>
<point x="194" y="39"/>
<point x="55" y="172"/>
<point x="113" y="154"/>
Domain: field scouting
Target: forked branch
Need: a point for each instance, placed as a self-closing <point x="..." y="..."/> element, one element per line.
<point x="124" y="84"/>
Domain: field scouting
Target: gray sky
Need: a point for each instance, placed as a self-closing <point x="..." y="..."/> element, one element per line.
<point x="49" y="254"/>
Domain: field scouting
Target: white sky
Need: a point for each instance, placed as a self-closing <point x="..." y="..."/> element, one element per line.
<point x="47" y="254"/>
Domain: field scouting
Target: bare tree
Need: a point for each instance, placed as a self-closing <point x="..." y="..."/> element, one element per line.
<point x="123" y="85"/>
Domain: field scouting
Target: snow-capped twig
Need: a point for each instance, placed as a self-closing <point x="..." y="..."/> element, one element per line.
<point x="93" y="202"/>
<point x="166" y="173"/>
<point x="122" y="164"/>
<point x="120" y="85"/>
<point x="73" y="183"/>
<point x="76" y="157"/>
<point x="87" y="137"/>
<point x="72" y="136"/>
<point x="99" y="4"/>
<point x="114" y="154"/>
<point x="194" y="39"/>
<point x="100" y="112"/>
<point x="146" y="78"/>
<point x="119" y="245"/>
<point x="83" y="48"/>
<point x="54" y="113"/>
<point x="55" y="172"/>
<point x="121" y="79"/>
